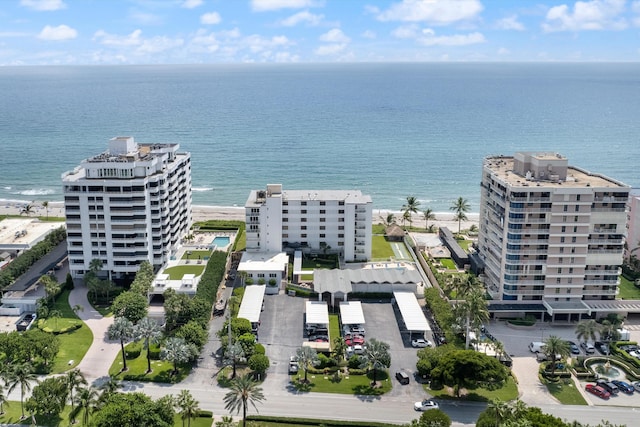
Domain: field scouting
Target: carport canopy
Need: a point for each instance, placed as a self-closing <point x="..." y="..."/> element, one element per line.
<point x="317" y="313"/>
<point x="251" y="305"/>
<point x="351" y="313"/>
<point x="412" y="313"/>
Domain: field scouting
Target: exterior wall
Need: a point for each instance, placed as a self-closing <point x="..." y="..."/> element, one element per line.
<point x="550" y="241"/>
<point x="633" y="225"/>
<point x="127" y="208"/>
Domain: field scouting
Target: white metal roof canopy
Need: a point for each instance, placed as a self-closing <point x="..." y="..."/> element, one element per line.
<point x="351" y="313"/>
<point x="411" y="311"/>
<point x="317" y="312"/>
<point x="251" y="305"/>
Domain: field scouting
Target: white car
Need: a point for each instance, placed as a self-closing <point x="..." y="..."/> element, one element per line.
<point x="358" y="349"/>
<point x="636" y="385"/>
<point x="425" y="405"/>
<point x="421" y="343"/>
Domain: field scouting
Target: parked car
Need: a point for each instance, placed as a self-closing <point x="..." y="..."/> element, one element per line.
<point x="588" y="347"/>
<point x="609" y="386"/>
<point x="402" y="377"/>
<point x="357" y="329"/>
<point x="425" y="405"/>
<point x="602" y="347"/>
<point x="355" y="340"/>
<point x="358" y="349"/>
<point x="319" y="338"/>
<point x="573" y="347"/>
<point x="636" y="385"/>
<point x="623" y="386"/>
<point x="293" y="365"/>
<point x="421" y="343"/>
<point x="598" y="391"/>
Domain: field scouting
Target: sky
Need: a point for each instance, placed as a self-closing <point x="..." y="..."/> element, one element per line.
<point x="110" y="32"/>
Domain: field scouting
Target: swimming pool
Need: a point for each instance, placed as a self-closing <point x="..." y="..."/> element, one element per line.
<point x="221" y="241"/>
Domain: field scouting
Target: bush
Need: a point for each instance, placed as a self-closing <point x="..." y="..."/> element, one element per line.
<point x="154" y="351"/>
<point x="325" y="362"/>
<point x="259" y="349"/>
<point x="353" y="362"/>
<point x="205" y="414"/>
<point x="133" y="350"/>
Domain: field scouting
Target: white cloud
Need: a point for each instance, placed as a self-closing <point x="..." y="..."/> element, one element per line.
<point x="586" y="15"/>
<point x="61" y="32"/>
<point x="300" y="17"/>
<point x="330" y="49"/>
<point x="144" y="18"/>
<point x="335" y="36"/>
<point x="410" y="31"/>
<point x="285" y="57"/>
<point x="43" y="5"/>
<point x="436" y="12"/>
<point x="158" y="44"/>
<point x="265" y="5"/>
<point x="368" y="34"/>
<point x="191" y="4"/>
<point x="510" y="23"/>
<point x="429" y="38"/>
<point x="504" y="51"/>
<point x="211" y="18"/>
<point x="107" y="39"/>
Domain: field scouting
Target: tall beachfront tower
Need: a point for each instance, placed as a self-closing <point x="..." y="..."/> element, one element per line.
<point x="550" y="233"/>
<point x="309" y="220"/>
<point x="127" y="205"/>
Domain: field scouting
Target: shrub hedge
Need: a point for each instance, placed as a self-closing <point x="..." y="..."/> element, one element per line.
<point x="133" y="350"/>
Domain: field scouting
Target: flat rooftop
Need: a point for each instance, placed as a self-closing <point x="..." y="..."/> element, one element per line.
<point x="23" y="233"/>
<point x="502" y="167"/>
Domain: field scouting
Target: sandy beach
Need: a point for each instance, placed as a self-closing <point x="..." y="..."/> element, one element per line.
<point x="203" y="213"/>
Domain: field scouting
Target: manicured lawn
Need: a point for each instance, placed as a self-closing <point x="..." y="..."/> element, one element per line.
<point x="334" y="328"/>
<point x="448" y="263"/>
<point x="352" y="384"/>
<point x="565" y="391"/>
<point x="176" y="273"/>
<point x="380" y="248"/>
<point x="195" y="254"/>
<point x="137" y="368"/>
<point x="195" y="422"/>
<point x="506" y="393"/>
<point x="319" y="262"/>
<point x="628" y="290"/>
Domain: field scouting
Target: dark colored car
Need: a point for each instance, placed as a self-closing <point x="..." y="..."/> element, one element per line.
<point x="573" y="347"/>
<point x="624" y="386"/>
<point x="402" y="377"/>
<point x="609" y="386"/>
<point x="598" y="391"/>
<point x="602" y="347"/>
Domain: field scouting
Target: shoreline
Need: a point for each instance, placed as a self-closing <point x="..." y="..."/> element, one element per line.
<point x="237" y="213"/>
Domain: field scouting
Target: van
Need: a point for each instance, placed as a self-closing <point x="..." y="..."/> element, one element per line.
<point x="402" y="377"/>
<point x="536" y="347"/>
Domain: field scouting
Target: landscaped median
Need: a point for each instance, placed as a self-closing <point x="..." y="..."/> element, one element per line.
<point x="356" y="381"/>
<point x="162" y="371"/>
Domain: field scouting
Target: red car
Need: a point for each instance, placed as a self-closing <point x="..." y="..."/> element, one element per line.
<point x="598" y="391"/>
<point x="357" y="339"/>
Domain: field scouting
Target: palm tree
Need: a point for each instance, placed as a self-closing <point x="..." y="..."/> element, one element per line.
<point x="55" y="315"/>
<point x="95" y="266"/>
<point x="74" y="380"/>
<point x="149" y="331"/>
<point x="21" y="375"/>
<point x="389" y="219"/>
<point x="429" y="215"/>
<point x="460" y="207"/>
<point x="306" y="356"/>
<point x="108" y="388"/>
<point x="339" y="348"/>
<point x="501" y="411"/>
<point x="45" y="205"/>
<point x="188" y="406"/>
<point x="121" y="329"/>
<point x="87" y="399"/>
<point x="411" y="207"/>
<point x="586" y="330"/>
<point x="233" y="355"/>
<point x="3" y="399"/>
<point x="51" y="287"/>
<point x="176" y="351"/>
<point x="473" y="309"/>
<point x="243" y="390"/>
<point x="226" y="421"/>
<point x="554" y="346"/>
<point x="27" y="210"/>
<point x="376" y="356"/>
<point x="609" y="331"/>
<point x="465" y="284"/>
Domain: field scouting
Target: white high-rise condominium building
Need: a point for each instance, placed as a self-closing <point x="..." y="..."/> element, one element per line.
<point x="316" y="220"/>
<point x="127" y="205"/>
<point x="550" y="233"/>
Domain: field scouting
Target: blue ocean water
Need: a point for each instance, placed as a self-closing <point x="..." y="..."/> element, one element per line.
<point x="390" y="130"/>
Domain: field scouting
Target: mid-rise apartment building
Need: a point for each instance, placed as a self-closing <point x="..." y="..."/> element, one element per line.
<point x="550" y="233"/>
<point x="127" y="205"/>
<point x="633" y="225"/>
<point x="317" y="220"/>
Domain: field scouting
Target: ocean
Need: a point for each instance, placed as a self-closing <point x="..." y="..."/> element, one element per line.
<point x="389" y="130"/>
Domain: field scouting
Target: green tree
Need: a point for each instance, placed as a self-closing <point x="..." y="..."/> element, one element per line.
<point x="609" y="331"/>
<point x="388" y="219"/>
<point x="306" y="357"/>
<point x="501" y="411"/>
<point x="27" y="210"/>
<point x="475" y="312"/>
<point x="339" y="349"/>
<point x="555" y="346"/>
<point x="3" y="399"/>
<point x="259" y="363"/>
<point x="176" y="351"/>
<point x="55" y="315"/>
<point x="21" y="375"/>
<point x="48" y="398"/>
<point x="376" y="356"/>
<point x="149" y="332"/>
<point x="45" y="205"/>
<point x="121" y="330"/>
<point x="586" y="330"/>
<point x="86" y="400"/>
<point x="243" y="390"/>
<point x="51" y="287"/>
<point x="467" y="368"/>
<point x="133" y="410"/>
<point x="460" y="208"/>
<point x="130" y="305"/>
<point x="434" y="418"/>
<point x="226" y="421"/>
<point x="193" y="333"/>
<point x="410" y="207"/>
<point x="74" y="379"/>
<point x="188" y="406"/>
<point x="232" y="356"/>
<point x="429" y="215"/>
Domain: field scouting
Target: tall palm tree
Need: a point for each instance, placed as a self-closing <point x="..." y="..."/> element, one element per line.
<point x="87" y="399"/>
<point x="108" y="388"/>
<point x="609" y="331"/>
<point x="233" y="355"/>
<point x="27" y="210"/>
<point x="501" y="411"/>
<point x="306" y="357"/>
<point x="121" y="330"/>
<point x="389" y="219"/>
<point x="376" y="356"/>
<point x="464" y="284"/>
<point x="475" y="311"/>
<point x="411" y="207"/>
<point x="3" y="399"/>
<point x="45" y="205"/>
<point x="554" y="346"/>
<point x="149" y="332"/>
<point x="429" y="215"/>
<point x="176" y="351"/>
<point x="21" y="375"/>
<point x="74" y="380"/>
<point x="460" y="207"/>
<point x="243" y="390"/>
<point x="226" y="421"/>
<point x="586" y="330"/>
<point x="188" y="406"/>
